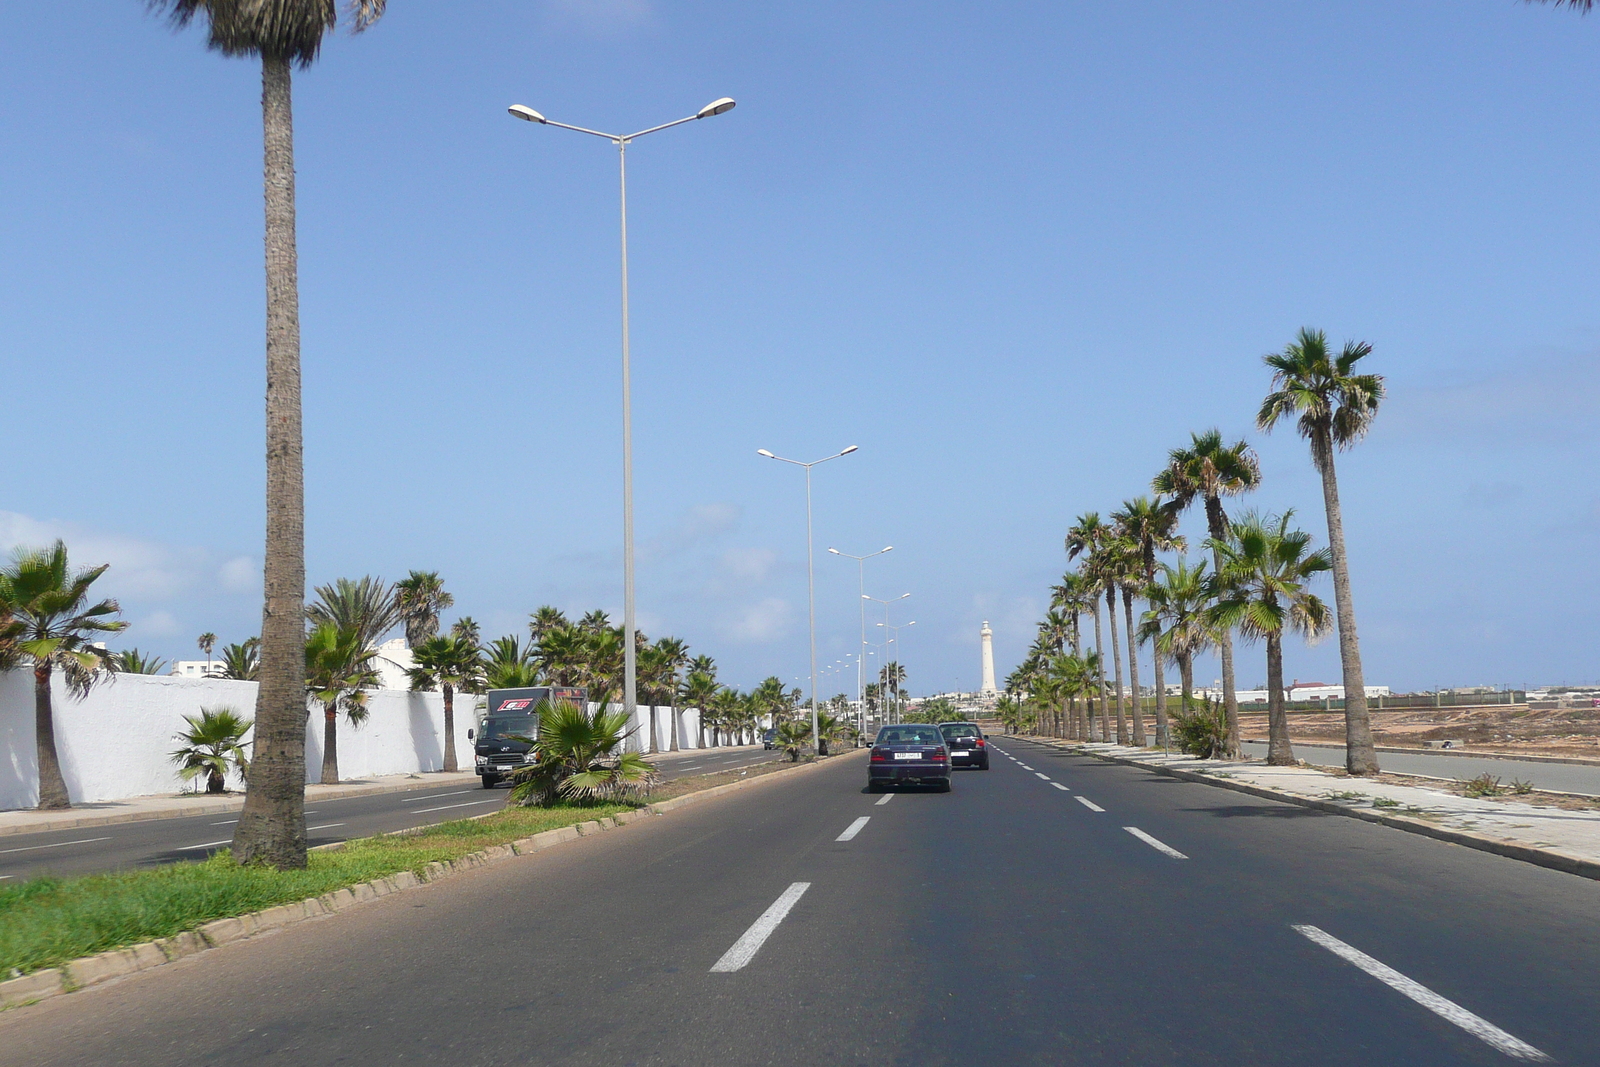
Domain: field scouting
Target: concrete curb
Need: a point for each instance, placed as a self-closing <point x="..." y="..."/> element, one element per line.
<point x="117" y="963"/>
<point x="1554" y="859"/>
<point x="1456" y="753"/>
<point x="213" y="808"/>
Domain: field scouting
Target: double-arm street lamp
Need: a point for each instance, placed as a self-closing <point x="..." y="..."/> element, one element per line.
<point x="811" y="576"/>
<point x="630" y="699"/>
<point x="899" y="659"/>
<point x="861" y="575"/>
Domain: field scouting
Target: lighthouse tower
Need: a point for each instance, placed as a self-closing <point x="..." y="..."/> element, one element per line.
<point x="987" y="689"/>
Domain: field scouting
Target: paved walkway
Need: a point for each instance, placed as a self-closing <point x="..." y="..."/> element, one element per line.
<point x="1514" y="821"/>
<point x="1579" y="778"/>
<point x="177" y="806"/>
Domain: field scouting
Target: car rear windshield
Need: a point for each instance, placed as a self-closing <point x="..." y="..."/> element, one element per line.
<point x="910" y="735"/>
<point x="960" y="729"/>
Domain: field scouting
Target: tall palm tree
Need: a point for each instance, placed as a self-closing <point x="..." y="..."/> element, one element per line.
<point x="1176" y="624"/>
<point x="419" y="597"/>
<point x="1336" y="407"/>
<point x="1083" y="539"/>
<point x="508" y="665"/>
<point x="365" y="606"/>
<point x="545" y="620"/>
<point x="674" y="658"/>
<point x="594" y="621"/>
<point x="53" y="627"/>
<point x="339" y="670"/>
<point x="206" y="642"/>
<point x="1113" y="564"/>
<point x="448" y="664"/>
<point x="283" y="34"/>
<point x="1265" y="569"/>
<point x="1207" y="471"/>
<point x="468" y="630"/>
<point x="1150" y="526"/>
<point x="698" y="689"/>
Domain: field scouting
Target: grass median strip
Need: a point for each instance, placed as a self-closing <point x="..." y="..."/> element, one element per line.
<point x="45" y="922"/>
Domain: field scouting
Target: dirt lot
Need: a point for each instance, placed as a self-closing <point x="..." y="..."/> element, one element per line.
<point x="1505" y="729"/>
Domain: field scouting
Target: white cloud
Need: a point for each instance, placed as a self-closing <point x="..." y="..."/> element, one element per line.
<point x="762" y="622"/>
<point x="240" y="575"/>
<point x="156" y="624"/>
<point x="748" y="565"/>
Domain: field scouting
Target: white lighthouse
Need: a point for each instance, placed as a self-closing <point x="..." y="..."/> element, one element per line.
<point x="987" y="689"/>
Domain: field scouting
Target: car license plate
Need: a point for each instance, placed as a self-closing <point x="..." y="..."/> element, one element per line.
<point x="961" y="752"/>
<point x="908" y="755"/>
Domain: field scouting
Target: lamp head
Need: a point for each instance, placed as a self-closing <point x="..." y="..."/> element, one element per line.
<point x="835" y="551"/>
<point x="764" y="452"/>
<point x="526" y="113"/>
<point x="865" y="597"/>
<point x="716" y="107"/>
<point x="888" y="548"/>
<point x="849" y="450"/>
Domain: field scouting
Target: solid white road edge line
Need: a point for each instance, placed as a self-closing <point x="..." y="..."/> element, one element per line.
<point x="208" y="844"/>
<point x="1159" y="846"/>
<point x="447" y="807"/>
<point x="58" y="844"/>
<point x="225" y="822"/>
<point x="324" y="826"/>
<point x="1091" y="805"/>
<point x="855" y="828"/>
<point x="744" y="950"/>
<point x="1059" y="786"/>
<point x="1448" y="1010"/>
<point x="885" y="800"/>
<point x="1046" y="777"/>
<point x="436" y="796"/>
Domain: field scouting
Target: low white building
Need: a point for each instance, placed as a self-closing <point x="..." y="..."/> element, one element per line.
<point x="195" y="668"/>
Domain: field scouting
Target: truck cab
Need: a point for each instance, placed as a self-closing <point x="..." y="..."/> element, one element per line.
<point x="509" y="723"/>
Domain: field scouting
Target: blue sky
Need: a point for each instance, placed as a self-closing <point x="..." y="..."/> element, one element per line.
<point x="1014" y="251"/>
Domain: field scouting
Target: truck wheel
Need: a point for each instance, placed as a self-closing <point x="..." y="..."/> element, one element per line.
<point x="489" y="781"/>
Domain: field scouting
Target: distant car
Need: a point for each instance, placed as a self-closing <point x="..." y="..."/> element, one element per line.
<point x="909" y="754"/>
<point x="769" y="739"/>
<point x="966" y="743"/>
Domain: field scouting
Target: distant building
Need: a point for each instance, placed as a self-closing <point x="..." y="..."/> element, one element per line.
<point x="194" y="668"/>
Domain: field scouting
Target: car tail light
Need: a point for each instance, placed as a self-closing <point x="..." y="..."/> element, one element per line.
<point x="939" y="755"/>
<point x="978" y="742"/>
<point x="879" y="756"/>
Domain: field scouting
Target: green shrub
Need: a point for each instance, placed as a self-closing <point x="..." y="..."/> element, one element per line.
<point x="1202" y="730"/>
<point x="1485" y="785"/>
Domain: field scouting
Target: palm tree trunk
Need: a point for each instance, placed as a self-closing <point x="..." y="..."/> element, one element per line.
<point x="1280" y="753"/>
<point x="1105" y="721"/>
<point x="1217" y="523"/>
<point x="330" y="743"/>
<point x="1360" y="757"/>
<point x="1161" y="699"/>
<point x="1139" y="738"/>
<point x="272" y="824"/>
<point x="1116" y="660"/>
<point x="672" y="727"/>
<point x="449" y="728"/>
<point x="1186" y="681"/>
<point x="52" y="786"/>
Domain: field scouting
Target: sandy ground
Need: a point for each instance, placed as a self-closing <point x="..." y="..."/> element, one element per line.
<point x="1513" y="729"/>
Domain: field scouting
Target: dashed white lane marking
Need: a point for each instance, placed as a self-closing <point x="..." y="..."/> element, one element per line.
<point x="744" y="950"/>
<point x="885" y="800"/>
<point x="1046" y="777"/>
<point x="1449" y="1010"/>
<point x="1025" y="767"/>
<point x="855" y="828"/>
<point x="58" y="844"/>
<point x="435" y="796"/>
<point x="3" y="877"/>
<point x="447" y="807"/>
<point x="1091" y="805"/>
<point x="208" y="844"/>
<point x="1059" y="786"/>
<point x="1159" y="846"/>
<point x="324" y="826"/>
<point x="225" y="822"/>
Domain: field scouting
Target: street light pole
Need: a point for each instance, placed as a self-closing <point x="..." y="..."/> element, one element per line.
<point x="861" y="576"/>
<point x="885" y="603"/>
<point x="811" y="577"/>
<point x="899" y="664"/>
<point x="630" y="698"/>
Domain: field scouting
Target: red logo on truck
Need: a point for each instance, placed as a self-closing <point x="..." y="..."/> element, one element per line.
<point x="515" y="705"/>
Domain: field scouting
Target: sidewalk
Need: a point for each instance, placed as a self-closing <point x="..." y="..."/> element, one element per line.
<point x="179" y="805"/>
<point x="1566" y="840"/>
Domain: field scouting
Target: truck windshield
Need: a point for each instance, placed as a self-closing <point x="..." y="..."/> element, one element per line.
<point x="507" y="725"/>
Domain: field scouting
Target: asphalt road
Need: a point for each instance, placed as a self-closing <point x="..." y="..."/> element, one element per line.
<point x="1007" y="922"/>
<point x="1561" y="777"/>
<point x="93" y="849"/>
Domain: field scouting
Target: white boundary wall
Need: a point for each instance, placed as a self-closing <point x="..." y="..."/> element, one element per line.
<point x="116" y="742"/>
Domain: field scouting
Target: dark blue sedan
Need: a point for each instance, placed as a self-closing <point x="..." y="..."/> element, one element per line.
<point x="909" y="754"/>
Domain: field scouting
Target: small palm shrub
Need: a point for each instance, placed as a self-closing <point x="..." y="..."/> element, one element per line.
<point x="793" y="737"/>
<point x="1202" y="729"/>
<point x="212" y="746"/>
<point x="578" y="758"/>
